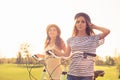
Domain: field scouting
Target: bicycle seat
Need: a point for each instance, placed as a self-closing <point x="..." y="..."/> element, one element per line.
<point x="98" y="73"/>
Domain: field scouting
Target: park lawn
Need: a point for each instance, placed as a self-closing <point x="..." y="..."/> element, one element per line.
<point x="110" y="72"/>
<point x="15" y="72"/>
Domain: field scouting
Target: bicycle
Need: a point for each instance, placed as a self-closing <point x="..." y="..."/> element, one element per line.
<point x="45" y="71"/>
<point x="97" y="73"/>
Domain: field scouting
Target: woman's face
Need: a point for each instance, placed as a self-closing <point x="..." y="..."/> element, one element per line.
<point x="80" y="23"/>
<point x="52" y="32"/>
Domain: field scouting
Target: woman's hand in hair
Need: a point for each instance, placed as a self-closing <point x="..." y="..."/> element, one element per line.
<point x="104" y="31"/>
<point x="92" y="26"/>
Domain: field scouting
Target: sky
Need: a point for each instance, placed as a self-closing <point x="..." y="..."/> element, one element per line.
<point x="25" y="21"/>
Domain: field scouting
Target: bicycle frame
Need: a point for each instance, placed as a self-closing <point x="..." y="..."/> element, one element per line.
<point x="97" y="73"/>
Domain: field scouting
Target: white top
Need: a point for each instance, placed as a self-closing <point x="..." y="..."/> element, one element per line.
<point x="53" y="65"/>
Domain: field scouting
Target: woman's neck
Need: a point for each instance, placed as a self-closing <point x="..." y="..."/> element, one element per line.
<point x="52" y="43"/>
<point x="52" y="40"/>
<point x="82" y="33"/>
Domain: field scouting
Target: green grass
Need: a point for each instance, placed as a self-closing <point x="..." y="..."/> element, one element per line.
<point x="110" y="72"/>
<point x="15" y="72"/>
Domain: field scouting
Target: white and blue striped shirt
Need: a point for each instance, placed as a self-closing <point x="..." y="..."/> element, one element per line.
<point x="80" y="66"/>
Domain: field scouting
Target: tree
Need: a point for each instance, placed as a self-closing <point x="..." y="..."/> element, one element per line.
<point x="99" y="61"/>
<point x="19" y="58"/>
<point x="118" y="66"/>
<point x="109" y="61"/>
<point x="23" y="53"/>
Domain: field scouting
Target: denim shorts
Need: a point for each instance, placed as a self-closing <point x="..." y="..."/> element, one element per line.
<point x="71" y="77"/>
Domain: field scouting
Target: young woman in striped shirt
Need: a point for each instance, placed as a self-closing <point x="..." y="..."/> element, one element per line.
<point x="83" y="40"/>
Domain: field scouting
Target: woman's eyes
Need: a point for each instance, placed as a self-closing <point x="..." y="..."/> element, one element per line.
<point x="52" y="30"/>
<point x="80" y="21"/>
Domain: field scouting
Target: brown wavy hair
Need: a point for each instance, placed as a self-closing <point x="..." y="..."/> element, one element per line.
<point x="89" y="31"/>
<point x="58" y="41"/>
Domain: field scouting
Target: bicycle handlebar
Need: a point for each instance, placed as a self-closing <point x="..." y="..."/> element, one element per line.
<point x="49" y="52"/>
<point x="83" y="53"/>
